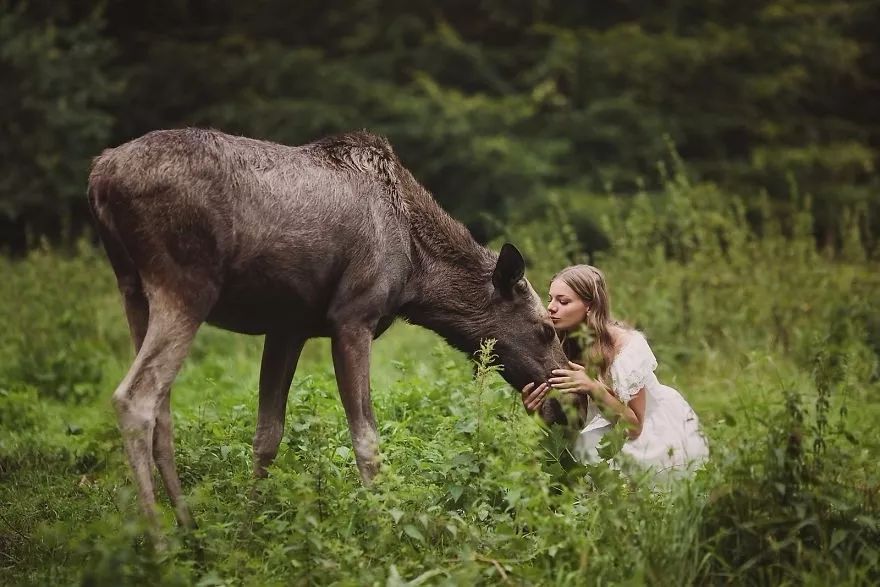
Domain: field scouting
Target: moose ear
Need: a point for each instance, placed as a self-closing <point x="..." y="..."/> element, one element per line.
<point x="510" y="269"/>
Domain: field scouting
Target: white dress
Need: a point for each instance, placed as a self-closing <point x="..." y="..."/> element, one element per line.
<point x="671" y="440"/>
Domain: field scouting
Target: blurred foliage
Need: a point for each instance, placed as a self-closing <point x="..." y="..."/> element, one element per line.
<point x="53" y="341"/>
<point x="494" y="105"/>
<point x="56" y="112"/>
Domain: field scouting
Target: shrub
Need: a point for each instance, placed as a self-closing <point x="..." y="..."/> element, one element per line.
<point x="57" y="336"/>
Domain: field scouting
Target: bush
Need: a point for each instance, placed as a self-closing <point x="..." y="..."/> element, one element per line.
<point x="59" y="335"/>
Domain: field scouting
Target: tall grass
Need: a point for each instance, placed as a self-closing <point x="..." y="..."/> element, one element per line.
<point x="773" y="342"/>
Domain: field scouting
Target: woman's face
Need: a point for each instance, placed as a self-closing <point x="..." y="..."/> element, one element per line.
<point x="566" y="308"/>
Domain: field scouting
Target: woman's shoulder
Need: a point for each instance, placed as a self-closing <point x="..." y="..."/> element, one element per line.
<point x="633" y="349"/>
<point x="629" y="339"/>
<point x="633" y="365"/>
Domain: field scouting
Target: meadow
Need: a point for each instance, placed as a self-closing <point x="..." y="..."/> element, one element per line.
<point x="775" y="343"/>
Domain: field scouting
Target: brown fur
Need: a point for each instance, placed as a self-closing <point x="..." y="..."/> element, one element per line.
<point x="334" y="238"/>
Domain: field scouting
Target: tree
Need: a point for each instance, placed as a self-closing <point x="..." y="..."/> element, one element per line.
<point x="53" y="113"/>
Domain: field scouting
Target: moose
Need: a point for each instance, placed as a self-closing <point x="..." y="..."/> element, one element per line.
<point x="334" y="238"/>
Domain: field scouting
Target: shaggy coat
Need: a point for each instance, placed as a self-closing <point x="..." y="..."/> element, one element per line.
<point x="331" y="239"/>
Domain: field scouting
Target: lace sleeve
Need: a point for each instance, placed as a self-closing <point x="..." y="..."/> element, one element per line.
<point x="632" y="368"/>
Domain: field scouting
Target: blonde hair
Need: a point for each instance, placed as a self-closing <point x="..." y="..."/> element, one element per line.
<point x="588" y="283"/>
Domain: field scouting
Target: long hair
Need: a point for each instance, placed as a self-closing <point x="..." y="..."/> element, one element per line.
<point x="588" y="283"/>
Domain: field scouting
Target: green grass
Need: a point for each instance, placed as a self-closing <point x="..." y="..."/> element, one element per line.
<point x="773" y="343"/>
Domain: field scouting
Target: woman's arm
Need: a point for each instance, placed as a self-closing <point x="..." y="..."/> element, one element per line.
<point x="576" y="380"/>
<point x="632" y="413"/>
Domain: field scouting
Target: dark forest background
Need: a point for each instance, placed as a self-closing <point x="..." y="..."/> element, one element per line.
<point x="496" y="105"/>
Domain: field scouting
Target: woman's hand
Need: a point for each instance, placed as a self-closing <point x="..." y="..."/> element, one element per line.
<point x="533" y="397"/>
<point x="575" y="380"/>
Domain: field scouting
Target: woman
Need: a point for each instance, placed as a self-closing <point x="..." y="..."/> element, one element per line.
<point x="663" y="431"/>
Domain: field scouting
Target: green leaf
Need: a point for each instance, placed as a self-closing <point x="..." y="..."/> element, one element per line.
<point x="838" y="536"/>
<point x="456" y="491"/>
<point x="611" y="443"/>
<point x="413" y="532"/>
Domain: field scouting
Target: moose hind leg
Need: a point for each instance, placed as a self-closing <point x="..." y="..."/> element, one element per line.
<point x="137" y="309"/>
<point x="140" y="396"/>
<point x="280" y="356"/>
<point x="163" y="454"/>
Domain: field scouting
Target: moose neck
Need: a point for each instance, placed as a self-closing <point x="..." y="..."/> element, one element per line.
<point x="450" y="288"/>
<point x="451" y="301"/>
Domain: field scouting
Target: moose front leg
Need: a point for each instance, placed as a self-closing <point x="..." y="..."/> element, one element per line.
<point x="280" y="354"/>
<point x="351" y="360"/>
